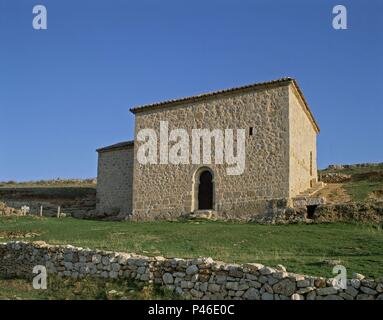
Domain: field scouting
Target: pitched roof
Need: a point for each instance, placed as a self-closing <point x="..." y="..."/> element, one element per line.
<point x="117" y="146"/>
<point x="204" y="96"/>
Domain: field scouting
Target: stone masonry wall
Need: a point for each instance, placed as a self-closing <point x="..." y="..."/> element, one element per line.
<point x="201" y="278"/>
<point x="167" y="191"/>
<point x="115" y="182"/>
<point x="302" y="142"/>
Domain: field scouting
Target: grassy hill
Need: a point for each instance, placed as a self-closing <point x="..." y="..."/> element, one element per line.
<point x="365" y="183"/>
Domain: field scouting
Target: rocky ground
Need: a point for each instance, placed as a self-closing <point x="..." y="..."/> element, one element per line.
<point x="9" y="211"/>
<point x="334" y="193"/>
<point x="79" y="202"/>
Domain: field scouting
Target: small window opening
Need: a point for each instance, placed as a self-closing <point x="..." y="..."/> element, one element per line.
<point x="311" y="211"/>
<point x="250" y="131"/>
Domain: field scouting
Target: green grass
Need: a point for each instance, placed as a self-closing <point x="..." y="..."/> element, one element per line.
<point x="302" y="248"/>
<point x="84" y="289"/>
<point x="364" y="180"/>
<point x="360" y="190"/>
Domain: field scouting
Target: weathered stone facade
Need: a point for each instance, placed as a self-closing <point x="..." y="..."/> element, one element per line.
<point x="115" y="181"/>
<point x="200" y="278"/>
<point x="280" y="156"/>
<point x="302" y="143"/>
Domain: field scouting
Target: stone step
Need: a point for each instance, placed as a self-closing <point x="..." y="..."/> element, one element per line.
<point x="301" y="202"/>
<point x="203" y="214"/>
<point x="318" y="185"/>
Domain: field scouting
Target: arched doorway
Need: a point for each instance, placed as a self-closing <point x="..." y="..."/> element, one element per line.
<point x="205" y="190"/>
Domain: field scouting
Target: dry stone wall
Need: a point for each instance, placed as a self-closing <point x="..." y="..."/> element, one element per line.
<point x="201" y="278"/>
<point x="333" y="177"/>
<point x="79" y="202"/>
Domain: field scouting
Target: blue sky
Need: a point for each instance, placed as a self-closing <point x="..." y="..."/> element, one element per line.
<point x="67" y="90"/>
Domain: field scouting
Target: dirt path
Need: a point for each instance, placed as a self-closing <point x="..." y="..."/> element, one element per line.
<point x="334" y="193"/>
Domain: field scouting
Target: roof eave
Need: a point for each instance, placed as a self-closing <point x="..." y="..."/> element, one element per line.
<point x="116" y="147"/>
<point x="310" y="114"/>
<point x="201" y="97"/>
<point x="204" y="96"/>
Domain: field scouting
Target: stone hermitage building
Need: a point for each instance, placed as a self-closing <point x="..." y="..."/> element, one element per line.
<point x="280" y="151"/>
